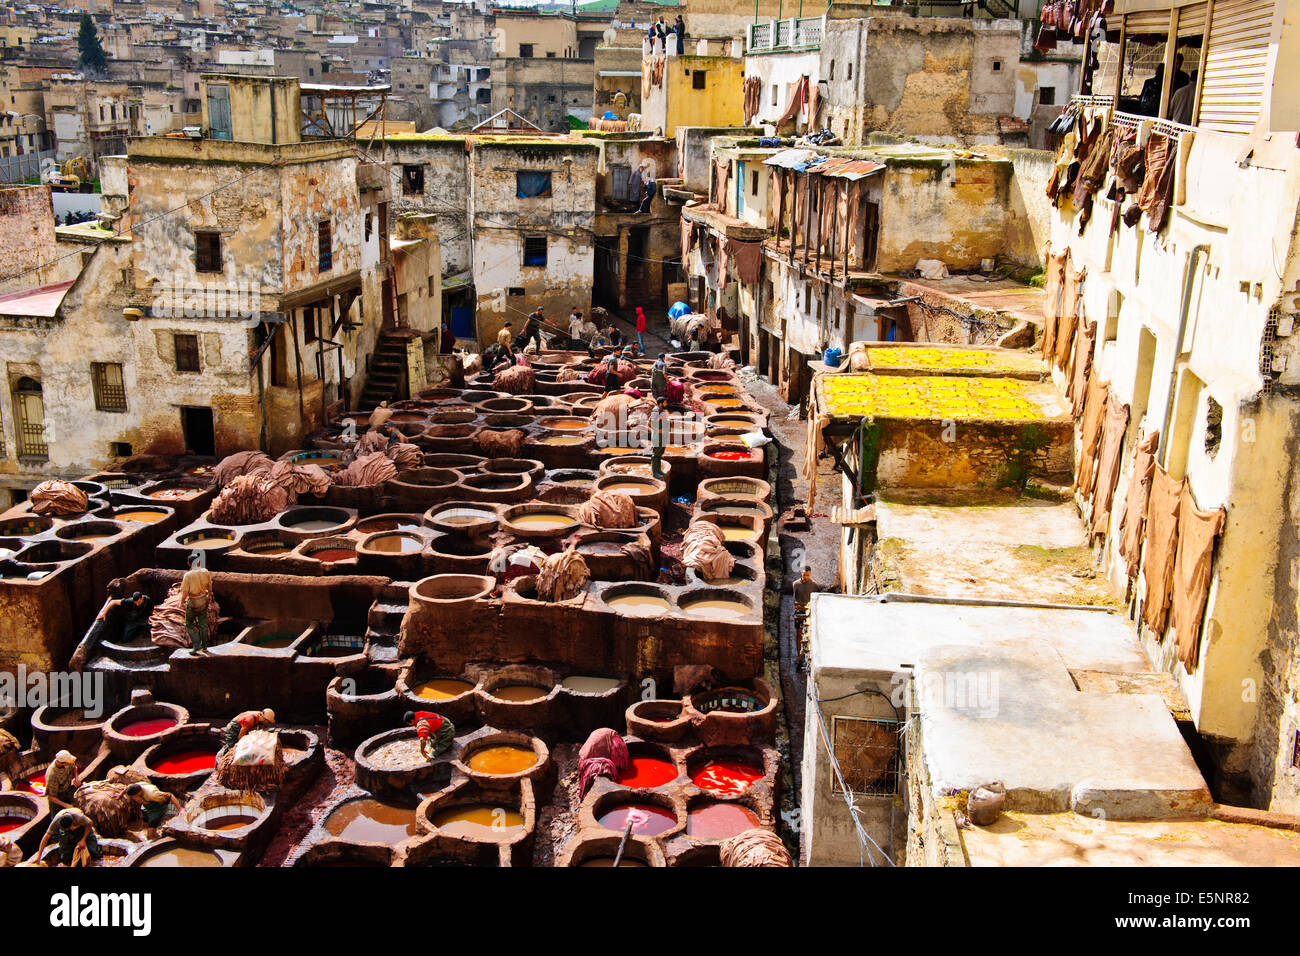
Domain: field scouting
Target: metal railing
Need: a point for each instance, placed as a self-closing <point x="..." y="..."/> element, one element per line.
<point x="790" y="33"/>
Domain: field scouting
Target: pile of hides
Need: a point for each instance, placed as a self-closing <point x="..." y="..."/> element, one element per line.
<point x="562" y="576"/>
<point x="704" y="548"/>
<point x="404" y="455"/>
<point x="641" y="558"/>
<point x="503" y="444"/>
<point x="58" y="498"/>
<point x="256" y="762"/>
<point x="240" y="463"/>
<point x="300" y="479"/>
<point x="567" y="374"/>
<point x="612" y="407"/>
<point x="757" y="847"/>
<point x="512" y="561"/>
<point x="681" y="327"/>
<point x="603" y="755"/>
<point x="249" y="499"/>
<point x="626" y="372"/>
<point x="721" y="360"/>
<point x="517" y="380"/>
<point x="608" y="509"/>
<point x="367" y="470"/>
<point x="167" y="622"/>
<point x="371" y="442"/>
<point x="125" y="776"/>
<point x="689" y="678"/>
<point x="858" y="361"/>
<point x="675" y="391"/>
<point x="107" y="806"/>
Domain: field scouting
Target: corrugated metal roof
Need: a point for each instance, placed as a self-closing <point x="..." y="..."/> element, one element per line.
<point x="848" y="168"/>
<point x="808" y="160"/>
<point x="790" y="158"/>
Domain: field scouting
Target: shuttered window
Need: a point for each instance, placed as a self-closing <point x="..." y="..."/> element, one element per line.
<point x="1191" y="21"/>
<point x="1147" y="23"/>
<point x="1233" y="90"/>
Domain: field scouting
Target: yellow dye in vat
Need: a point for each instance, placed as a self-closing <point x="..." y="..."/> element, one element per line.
<point x="147" y="517"/>
<point x="946" y="359"/>
<point x="638" y="603"/>
<point x="590" y="685"/>
<point x="441" y="689"/>
<point x="567" y="424"/>
<point x="519" y="693"/>
<point x="931" y="396"/>
<point x="725" y="402"/>
<point x="503" y="759"/>
<point x="624" y="449"/>
<point x="731" y="532"/>
<point x="478" y="820"/>
<point x="716" y="607"/>
<point x="542" y="520"/>
<point x="629" y="487"/>
<point x="563" y="440"/>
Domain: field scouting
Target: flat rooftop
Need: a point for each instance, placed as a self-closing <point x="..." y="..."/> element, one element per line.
<point x="998" y="546"/>
<point x="968" y="398"/>
<point x="910" y="359"/>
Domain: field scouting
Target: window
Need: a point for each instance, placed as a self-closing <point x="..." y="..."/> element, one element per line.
<point x="413" y="180"/>
<point x="526" y="50"/>
<point x="997" y="66"/>
<point x="831" y="74"/>
<point x="120" y="449"/>
<point x="618" y="175"/>
<point x="29" y="411"/>
<point x="753" y="184"/>
<point x="324" y="246"/>
<point x="530" y="184"/>
<point x="369" y="225"/>
<point x="867" y="752"/>
<point x="309" y="333"/>
<point x="516" y="291"/>
<point x="775" y="94"/>
<point x="110" y="391"/>
<point x="698" y="79"/>
<point x="1047" y="96"/>
<point x="207" y="252"/>
<point x="550" y="55"/>
<point x="1213" y="427"/>
<point x="849" y="70"/>
<point x="535" y="251"/>
<point x="187" y="351"/>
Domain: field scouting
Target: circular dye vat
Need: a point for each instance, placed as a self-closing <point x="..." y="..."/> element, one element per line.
<point x="173" y="494"/>
<point x="629" y="487"/>
<point x="145" y="517"/>
<point x="731" y="455"/>
<point x="502" y="759"/>
<point x="401" y="754"/>
<point x="441" y="689"/>
<point x="727" y="778"/>
<point x="609" y="861"/>
<point x="230" y="821"/>
<point x="372" y="821"/>
<point x="718" y="821"/>
<point x="747" y="511"/>
<point x="624" y="449"/>
<point x="187" y="761"/>
<point x="34" y="784"/>
<point x="648" y="772"/>
<point x="654" y="819"/>
<point x="478" y="820"/>
<point x="215" y="540"/>
<point x="725" y="402"/>
<point x="464" y="516"/>
<point x="563" y="440"/>
<point x="716" y="607"/>
<point x="567" y="424"/>
<point x="312" y="524"/>
<point x="542" y="520"/>
<point x="269" y="548"/>
<point x="147" y="728"/>
<point x="733" y="532"/>
<point x="395" y="544"/>
<point x="638" y="603"/>
<point x="519" y="693"/>
<point x="181" y="856"/>
<point x="333" y="554"/>
<point x="11" y="822"/>
<point x="590" y="685"/>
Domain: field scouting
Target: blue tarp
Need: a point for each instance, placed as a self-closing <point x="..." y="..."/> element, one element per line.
<point x="678" y="310"/>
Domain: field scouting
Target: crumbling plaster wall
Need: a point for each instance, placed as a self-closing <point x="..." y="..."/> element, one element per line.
<point x="27" y="243"/>
<point x="445" y="195"/>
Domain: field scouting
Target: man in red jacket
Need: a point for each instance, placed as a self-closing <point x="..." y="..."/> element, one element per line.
<point x="435" y="731"/>
<point x="640" y="329"/>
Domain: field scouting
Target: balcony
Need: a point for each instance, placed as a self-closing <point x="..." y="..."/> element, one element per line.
<point x="795" y="33"/>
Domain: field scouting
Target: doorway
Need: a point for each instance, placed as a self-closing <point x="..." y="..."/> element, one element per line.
<point x="198" y="431"/>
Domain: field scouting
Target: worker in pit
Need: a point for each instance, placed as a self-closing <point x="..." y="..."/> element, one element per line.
<point x="249" y="720"/>
<point x="153" y="804"/>
<point x="196" y="591"/>
<point x="660" y="425"/>
<point x="61" y="780"/>
<point x="74" y="833"/>
<point x="436" y="732"/>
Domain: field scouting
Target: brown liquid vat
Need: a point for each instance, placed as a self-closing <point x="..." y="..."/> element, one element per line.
<point x="470" y="518"/>
<point x="499" y="842"/>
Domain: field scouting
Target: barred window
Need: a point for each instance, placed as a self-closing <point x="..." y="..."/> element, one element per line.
<point x="324" y="246"/>
<point x="110" y="390"/>
<point x="29" y="428"/>
<point x="187" y="352"/>
<point x="534" y="250"/>
<point x="867" y="752"/>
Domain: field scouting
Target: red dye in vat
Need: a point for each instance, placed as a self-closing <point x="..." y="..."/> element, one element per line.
<point x="655" y="820"/>
<point x="147" y="728"/>
<point x="186" y="761"/>
<point x="726" y="777"/>
<point x="13" y="823"/>
<point x="333" y="554"/>
<point x="648" y="772"/>
<point x="718" y="821"/>
<point x="731" y="455"/>
<point x="33" y="784"/>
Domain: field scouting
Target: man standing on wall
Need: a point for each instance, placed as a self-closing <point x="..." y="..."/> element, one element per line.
<point x="196" y="592"/>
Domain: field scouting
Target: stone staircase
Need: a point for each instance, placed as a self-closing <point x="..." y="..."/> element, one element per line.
<point x="387" y="370"/>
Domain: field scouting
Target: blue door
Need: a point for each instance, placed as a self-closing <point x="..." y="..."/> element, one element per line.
<point x="740" y="190"/>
